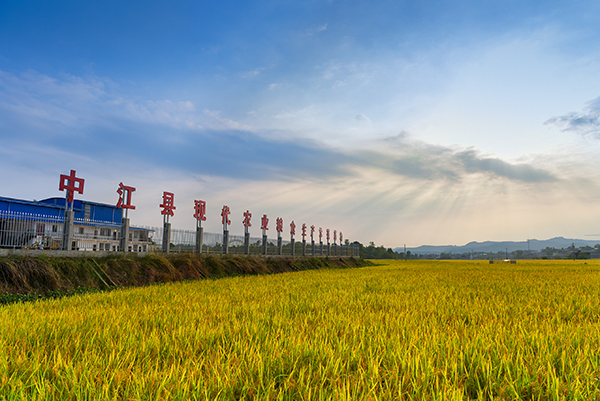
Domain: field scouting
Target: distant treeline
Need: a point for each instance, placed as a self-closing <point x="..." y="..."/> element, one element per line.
<point x="380" y="252"/>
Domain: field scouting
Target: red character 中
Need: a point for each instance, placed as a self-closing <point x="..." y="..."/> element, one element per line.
<point x="72" y="184"/>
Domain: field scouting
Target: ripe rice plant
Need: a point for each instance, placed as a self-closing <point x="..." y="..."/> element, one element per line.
<point x="416" y="330"/>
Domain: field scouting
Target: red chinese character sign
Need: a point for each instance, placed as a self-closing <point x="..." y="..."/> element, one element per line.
<point x="327" y="231"/>
<point x="334" y="236"/>
<point x="124" y="201"/>
<point x="320" y="234"/>
<point x="279" y="223"/>
<point x="293" y="228"/>
<point x="168" y="204"/>
<point x="264" y="222"/>
<point x="200" y="210"/>
<point x="247" y="224"/>
<point x="247" y="217"/>
<point x="304" y="229"/>
<point x="312" y="232"/>
<point x="71" y="184"/>
<point x="200" y="215"/>
<point x="341" y="238"/>
<point x="225" y="216"/>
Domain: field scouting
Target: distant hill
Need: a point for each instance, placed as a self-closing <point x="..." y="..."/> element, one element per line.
<point x="500" y="246"/>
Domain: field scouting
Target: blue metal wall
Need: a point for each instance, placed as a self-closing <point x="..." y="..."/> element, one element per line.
<point x="54" y="207"/>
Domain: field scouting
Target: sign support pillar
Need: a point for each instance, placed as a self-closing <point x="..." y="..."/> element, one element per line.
<point x="68" y="228"/>
<point x="199" y="238"/>
<point x="124" y="243"/>
<point x="247" y="241"/>
<point x="279" y="244"/>
<point x="166" y="245"/>
<point x="264" y="242"/>
<point x="225" y="242"/>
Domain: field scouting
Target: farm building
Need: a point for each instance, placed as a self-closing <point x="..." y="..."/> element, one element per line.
<point x="40" y="224"/>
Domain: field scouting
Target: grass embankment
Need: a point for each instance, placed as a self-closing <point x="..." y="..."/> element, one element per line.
<point x="443" y="330"/>
<point x="27" y="278"/>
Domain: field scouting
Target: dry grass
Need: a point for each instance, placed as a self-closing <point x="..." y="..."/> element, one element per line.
<point x="45" y="274"/>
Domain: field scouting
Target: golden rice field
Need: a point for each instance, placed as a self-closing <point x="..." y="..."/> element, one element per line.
<point x="416" y="330"/>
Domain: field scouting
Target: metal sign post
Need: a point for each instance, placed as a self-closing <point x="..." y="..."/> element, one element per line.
<point x="200" y="215"/>
<point x="247" y="224"/>
<point x="225" y="219"/>
<point x="303" y="239"/>
<point x="279" y="227"/>
<point x="168" y="206"/>
<point x="125" y="203"/>
<point x="264" y="224"/>
<point x="71" y="184"/>
<point x="292" y="232"/>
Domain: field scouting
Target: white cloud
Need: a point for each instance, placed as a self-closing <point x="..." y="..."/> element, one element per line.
<point x="252" y="74"/>
<point x="316" y="29"/>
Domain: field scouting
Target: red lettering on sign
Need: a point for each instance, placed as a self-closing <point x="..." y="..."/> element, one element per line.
<point x="168" y="204"/>
<point x="264" y="221"/>
<point x="247" y="217"/>
<point x="72" y="184"/>
<point x="200" y="210"/>
<point x="225" y="215"/>
<point x="125" y="197"/>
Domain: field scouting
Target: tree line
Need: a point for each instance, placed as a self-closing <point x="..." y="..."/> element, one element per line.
<point x="380" y="252"/>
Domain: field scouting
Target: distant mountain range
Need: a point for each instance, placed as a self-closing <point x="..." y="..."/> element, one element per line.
<point x="501" y="246"/>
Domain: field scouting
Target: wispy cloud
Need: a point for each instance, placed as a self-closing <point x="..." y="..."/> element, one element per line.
<point x="420" y="160"/>
<point x="174" y="143"/>
<point x="585" y="123"/>
<point x="181" y="136"/>
<point x="253" y="73"/>
<point x="315" y="29"/>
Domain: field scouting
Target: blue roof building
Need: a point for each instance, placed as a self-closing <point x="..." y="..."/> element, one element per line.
<point x="40" y="224"/>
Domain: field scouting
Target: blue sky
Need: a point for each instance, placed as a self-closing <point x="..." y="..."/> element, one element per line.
<point x="392" y="121"/>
